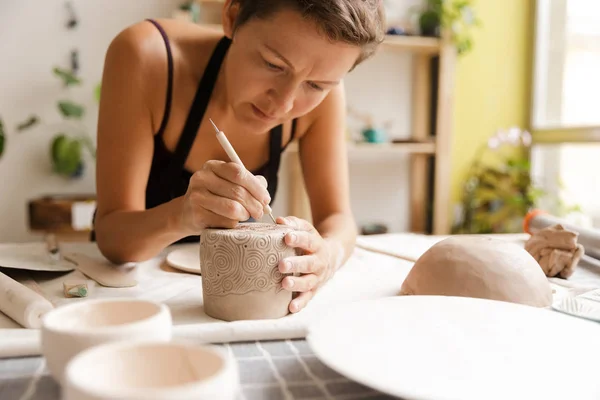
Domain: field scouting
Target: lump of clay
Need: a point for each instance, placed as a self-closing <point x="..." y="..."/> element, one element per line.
<point x="556" y="250"/>
<point x="480" y="267"/>
<point x="240" y="271"/>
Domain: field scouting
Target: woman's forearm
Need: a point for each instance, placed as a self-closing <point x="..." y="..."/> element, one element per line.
<point x="339" y="232"/>
<point x="134" y="236"/>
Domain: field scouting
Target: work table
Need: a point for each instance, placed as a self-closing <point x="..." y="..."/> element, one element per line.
<point x="269" y="369"/>
<point x="277" y="370"/>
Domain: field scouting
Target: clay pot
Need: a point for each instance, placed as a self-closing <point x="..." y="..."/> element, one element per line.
<point x="151" y="371"/>
<point x="70" y="329"/>
<point x="240" y="273"/>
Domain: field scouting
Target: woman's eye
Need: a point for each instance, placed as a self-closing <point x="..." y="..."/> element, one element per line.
<point x="315" y="86"/>
<point x="273" y="66"/>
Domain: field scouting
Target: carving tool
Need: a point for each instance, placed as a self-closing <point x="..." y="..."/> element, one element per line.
<point x="234" y="157"/>
<point x="104" y="273"/>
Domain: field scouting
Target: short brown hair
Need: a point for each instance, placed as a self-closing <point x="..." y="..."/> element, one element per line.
<point x="356" y="22"/>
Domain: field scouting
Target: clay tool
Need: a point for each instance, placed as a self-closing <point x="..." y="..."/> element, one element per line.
<point x="52" y="248"/>
<point x="103" y="273"/>
<point x="234" y="157"/>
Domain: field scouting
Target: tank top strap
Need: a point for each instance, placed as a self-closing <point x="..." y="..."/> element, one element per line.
<point x="292" y="136"/>
<point x="198" y="108"/>
<point x="169" y="95"/>
<point x="294" y="122"/>
<point x="275" y="140"/>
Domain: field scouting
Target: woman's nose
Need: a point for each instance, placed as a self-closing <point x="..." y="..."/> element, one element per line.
<point x="283" y="99"/>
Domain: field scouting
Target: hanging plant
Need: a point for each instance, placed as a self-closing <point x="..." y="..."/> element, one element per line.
<point x="66" y="156"/>
<point x="68" y="78"/>
<point x="97" y="91"/>
<point x="66" y="151"/>
<point x="28" y="123"/>
<point x="71" y="110"/>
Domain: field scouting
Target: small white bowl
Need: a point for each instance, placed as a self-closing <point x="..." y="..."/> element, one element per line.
<point x="151" y="371"/>
<point x="70" y="329"/>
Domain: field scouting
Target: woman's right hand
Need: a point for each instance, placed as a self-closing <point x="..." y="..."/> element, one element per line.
<point x="222" y="194"/>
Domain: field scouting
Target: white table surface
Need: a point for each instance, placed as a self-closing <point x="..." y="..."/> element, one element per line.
<point x="270" y="369"/>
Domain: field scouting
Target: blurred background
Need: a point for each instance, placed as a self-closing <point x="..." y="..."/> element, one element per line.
<point x="471" y="114"/>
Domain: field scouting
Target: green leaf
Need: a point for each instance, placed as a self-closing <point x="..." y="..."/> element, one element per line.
<point x="66" y="154"/>
<point x="68" y="78"/>
<point x="70" y="109"/>
<point x="97" y="91"/>
<point x="28" y="123"/>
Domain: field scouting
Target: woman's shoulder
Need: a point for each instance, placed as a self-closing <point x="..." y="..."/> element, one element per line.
<point x="329" y="112"/>
<point x="144" y="39"/>
<point x="143" y="44"/>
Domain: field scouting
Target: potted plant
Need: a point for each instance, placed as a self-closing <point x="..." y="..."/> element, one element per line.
<point x="457" y="16"/>
<point x="499" y="190"/>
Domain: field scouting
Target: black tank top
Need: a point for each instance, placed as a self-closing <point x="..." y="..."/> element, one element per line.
<point x="168" y="178"/>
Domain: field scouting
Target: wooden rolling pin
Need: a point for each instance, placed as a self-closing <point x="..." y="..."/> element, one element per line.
<point x="22" y="304"/>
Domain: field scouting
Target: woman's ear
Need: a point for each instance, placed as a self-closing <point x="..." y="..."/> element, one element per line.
<point x="229" y="16"/>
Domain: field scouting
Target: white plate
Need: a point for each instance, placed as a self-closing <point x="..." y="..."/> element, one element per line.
<point x="185" y="258"/>
<point x="30" y="256"/>
<point x="434" y="347"/>
<point x="579" y="307"/>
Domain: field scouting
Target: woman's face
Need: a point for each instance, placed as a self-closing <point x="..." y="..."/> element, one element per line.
<point x="281" y="68"/>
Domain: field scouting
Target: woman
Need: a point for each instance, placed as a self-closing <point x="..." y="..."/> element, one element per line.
<point x="276" y="75"/>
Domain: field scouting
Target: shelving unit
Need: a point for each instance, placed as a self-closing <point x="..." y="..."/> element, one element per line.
<point x="429" y="145"/>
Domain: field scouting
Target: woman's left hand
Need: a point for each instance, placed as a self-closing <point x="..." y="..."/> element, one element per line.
<point x="314" y="264"/>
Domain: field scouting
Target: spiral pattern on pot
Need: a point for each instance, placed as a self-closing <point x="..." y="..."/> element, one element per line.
<point x="254" y="261"/>
<point x="243" y="259"/>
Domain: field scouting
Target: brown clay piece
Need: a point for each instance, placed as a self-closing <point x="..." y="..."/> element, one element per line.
<point x="479" y="267"/>
<point x="556" y="250"/>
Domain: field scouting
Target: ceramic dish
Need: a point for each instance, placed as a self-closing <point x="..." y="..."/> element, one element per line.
<point x="579" y="307"/>
<point x="151" y="371"/>
<point x="185" y="258"/>
<point x="70" y="329"/>
<point x="442" y="348"/>
<point x="30" y="256"/>
<point x="592" y="295"/>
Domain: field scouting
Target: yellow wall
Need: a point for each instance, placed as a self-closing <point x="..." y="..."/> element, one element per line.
<point x="492" y="88"/>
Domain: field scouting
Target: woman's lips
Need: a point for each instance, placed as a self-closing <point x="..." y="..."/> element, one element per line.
<point x="262" y="115"/>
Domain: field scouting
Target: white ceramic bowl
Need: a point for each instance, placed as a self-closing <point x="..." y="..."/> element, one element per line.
<point x="151" y="371"/>
<point x="70" y="329"/>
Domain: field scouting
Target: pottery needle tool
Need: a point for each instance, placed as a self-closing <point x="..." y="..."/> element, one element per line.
<point x="52" y="248"/>
<point x="234" y="157"/>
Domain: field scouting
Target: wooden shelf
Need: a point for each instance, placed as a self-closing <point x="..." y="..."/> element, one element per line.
<point x="415" y="44"/>
<point x="419" y="44"/>
<point x="427" y="147"/>
<point x="379" y="148"/>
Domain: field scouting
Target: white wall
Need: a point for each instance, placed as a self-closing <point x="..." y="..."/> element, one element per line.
<point x="33" y="39"/>
<point x="379" y="183"/>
